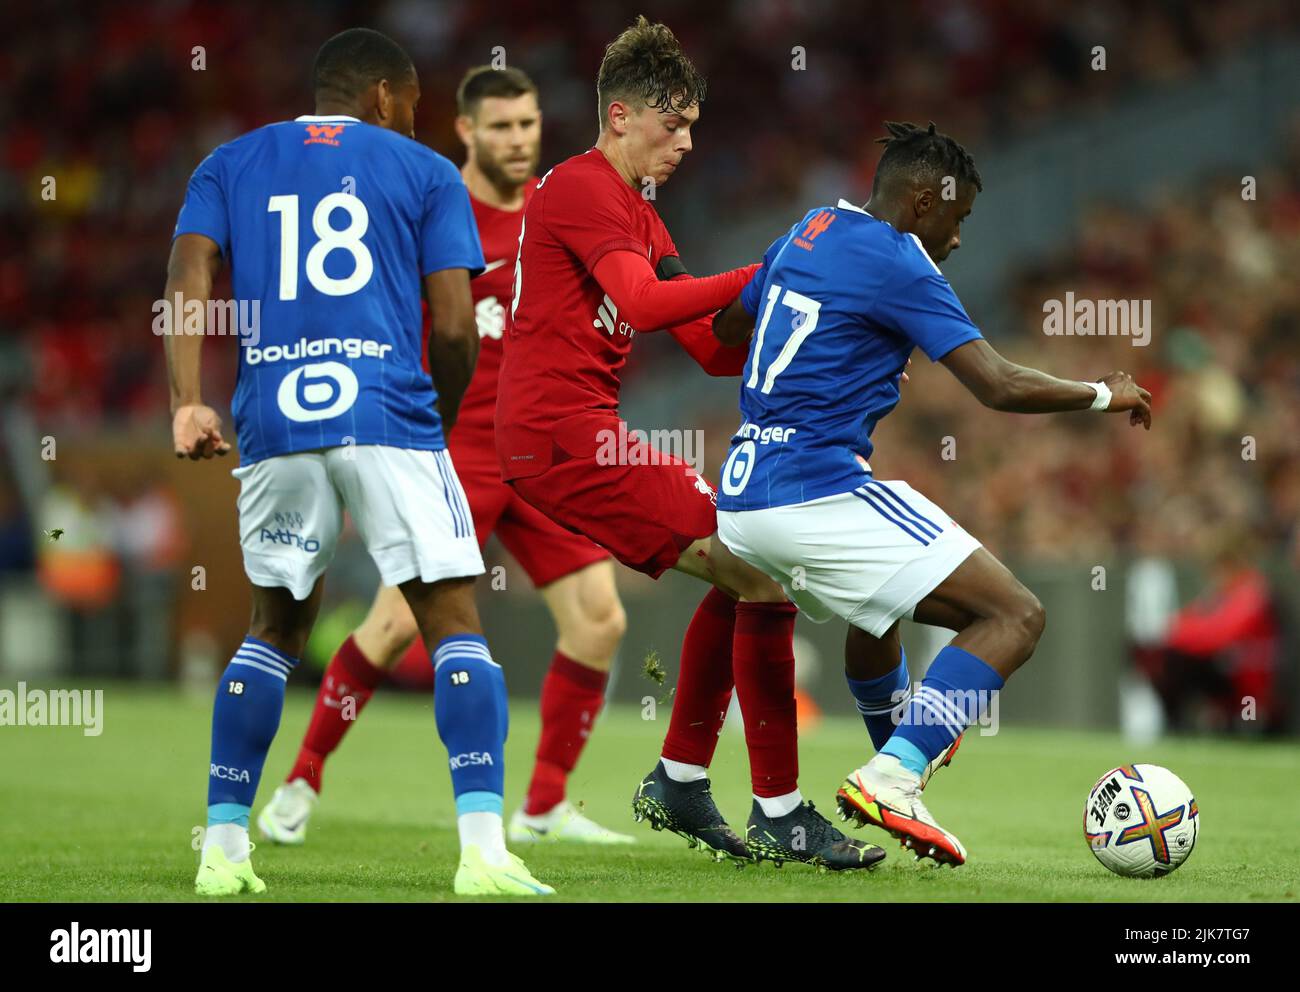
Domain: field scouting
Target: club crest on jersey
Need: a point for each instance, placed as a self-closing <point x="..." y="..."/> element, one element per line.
<point x="490" y="316"/>
<point x="323" y="134"/>
<point x="704" y="489"/>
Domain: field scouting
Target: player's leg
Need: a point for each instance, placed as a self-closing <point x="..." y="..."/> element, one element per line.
<point x="642" y="516"/>
<point x="360" y="664"/>
<point x="997" y="618"/>
<point x="762" y="665"/>
<point x="289" y="519"/>
<point x="876" y="671"/>
<point x="781" y="825"/>
<point x="469" y="702"/>
<point x="741" y="638"/>
<point x="998" y="621"/>
<point x="707" y="675"/>
<point x="653" y="514"/>
<point x="677" y="794"/>
<point x="413" y="516"/>
<point x="387" y="631"/>
<point x="762" y="670"/>
<point x="590" y="623"/>
<point x="245" y="717"/>
<point x="589" y="618"/>
<point x="576" y="580"/>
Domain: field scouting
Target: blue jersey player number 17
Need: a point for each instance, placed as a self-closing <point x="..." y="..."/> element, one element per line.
<point x="798" y="500"/>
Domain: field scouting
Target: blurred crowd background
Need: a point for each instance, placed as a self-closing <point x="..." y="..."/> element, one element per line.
<point x="117" y="103"/>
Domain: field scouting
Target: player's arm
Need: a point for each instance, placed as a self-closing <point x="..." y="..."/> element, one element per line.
<point x="925" y="310"/>
<point x="1003" y="385"/>
<point x="733" y="325"/>
<point x="717" y="359"/>
<point x="697" y="337"/>
<point x="594" y="223"/>
<point x="453" y="338"/>
<point x="450" y="255"/>
<point x="196" y="429"/>
<point x="650" y="304"/>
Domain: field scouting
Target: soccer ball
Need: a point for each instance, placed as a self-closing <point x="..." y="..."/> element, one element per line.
<point x="1141" y="821"/>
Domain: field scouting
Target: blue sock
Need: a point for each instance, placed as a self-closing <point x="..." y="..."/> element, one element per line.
<point x="245" y="717"/>
<point x="880" y="699"/>
<point x="469" y="703"/>
<point x="949" y="699"/>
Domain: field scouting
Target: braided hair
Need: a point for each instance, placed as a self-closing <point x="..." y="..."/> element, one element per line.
<point x="923" y="155"/>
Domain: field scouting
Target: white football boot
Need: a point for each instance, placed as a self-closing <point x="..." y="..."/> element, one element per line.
<point x="284" y="819"/>
<point x="563" y="823"/>
<point x="884" y="793"/>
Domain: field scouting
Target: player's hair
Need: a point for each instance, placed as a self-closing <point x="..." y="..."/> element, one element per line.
<point x="484" y="81"/>
<point x="645" y="66"/>
<point x="923" y="155"/>
<point x="356" y="59"/>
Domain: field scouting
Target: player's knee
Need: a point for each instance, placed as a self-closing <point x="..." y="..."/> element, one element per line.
<point x="598" y="628"/>
<point x="607" y="623"/>
<point x="1020" y="619"/>
<point x="1030" y="619"/>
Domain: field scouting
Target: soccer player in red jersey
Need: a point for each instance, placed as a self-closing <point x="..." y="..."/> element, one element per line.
<point x="500" y="124"/>
<point x="596" y="265"/>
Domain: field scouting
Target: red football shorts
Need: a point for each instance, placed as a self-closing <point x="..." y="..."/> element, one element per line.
<point x="645" y="509"/>
<point x="545" y="550"/>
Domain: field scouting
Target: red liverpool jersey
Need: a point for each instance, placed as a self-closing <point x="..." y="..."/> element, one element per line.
<point x="565" y="344"/>
<point x="498" y="231"/>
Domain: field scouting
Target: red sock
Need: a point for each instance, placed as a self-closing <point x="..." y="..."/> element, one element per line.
<point x="350" y="676"/>
<point x="572" y="695"/>
<point x="763" y="660"/>
<point x="704" y="682"/>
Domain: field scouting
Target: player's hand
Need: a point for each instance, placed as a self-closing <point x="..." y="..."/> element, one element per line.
<point x="904" y="379"/>
<point x="196" y="433"/>
<point x="1125" y="394"/>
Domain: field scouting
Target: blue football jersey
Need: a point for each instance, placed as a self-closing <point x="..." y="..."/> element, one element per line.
<point x="328" y="225"/>
<point x="839" y="303"/>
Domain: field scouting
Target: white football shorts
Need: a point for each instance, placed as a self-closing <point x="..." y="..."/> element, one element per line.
<point x="408" y="506"/>
<point x="867" y="556"/>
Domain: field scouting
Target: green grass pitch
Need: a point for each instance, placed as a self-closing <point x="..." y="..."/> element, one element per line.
<point x="112" y="818"/>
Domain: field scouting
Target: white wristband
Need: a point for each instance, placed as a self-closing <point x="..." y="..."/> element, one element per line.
<point x="1102" y="399"/>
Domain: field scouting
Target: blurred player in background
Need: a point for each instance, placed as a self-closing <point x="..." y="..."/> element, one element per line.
<point x="596" y="265"/>
<point x="1223" y="647"/>
<point x="335" y="222"/>
<point x="501" y="125"/>
<point x="841" y="301"/>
